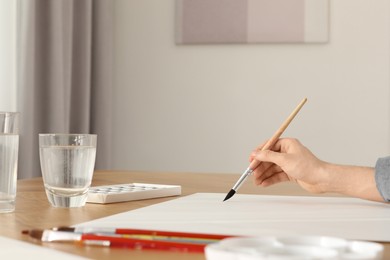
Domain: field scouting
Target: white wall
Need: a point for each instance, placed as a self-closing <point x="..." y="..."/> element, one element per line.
<point x="7" y="55"/>
<point x="203" y="108"/>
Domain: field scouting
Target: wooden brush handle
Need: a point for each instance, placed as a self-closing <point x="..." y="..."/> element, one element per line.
<point x="271" y="142"/>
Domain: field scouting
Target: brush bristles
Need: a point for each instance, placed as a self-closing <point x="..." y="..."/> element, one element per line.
<point x="68" y="229"/>
<point x="34" y="233"/>
<point x="230" y="194"/>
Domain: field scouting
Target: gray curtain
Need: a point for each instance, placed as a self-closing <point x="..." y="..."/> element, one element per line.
<point x="64" y="74"/>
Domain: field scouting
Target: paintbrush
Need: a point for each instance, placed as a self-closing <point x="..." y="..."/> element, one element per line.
<point x="130" y="231"/>
<point x="114" y="240"/>
<point x="254" y="164"/>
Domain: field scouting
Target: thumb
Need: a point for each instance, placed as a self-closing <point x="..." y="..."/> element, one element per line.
<point x="270" y="156"/>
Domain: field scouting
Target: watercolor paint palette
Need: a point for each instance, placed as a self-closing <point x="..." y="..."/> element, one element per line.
<point x="131" y="191"/>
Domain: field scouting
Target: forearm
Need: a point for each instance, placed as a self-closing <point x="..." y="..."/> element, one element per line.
<point x="353" y="181"/>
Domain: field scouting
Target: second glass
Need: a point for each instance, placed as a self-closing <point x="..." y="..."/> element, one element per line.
<point x="67" y="164"/>
<point x="9" y="146"/>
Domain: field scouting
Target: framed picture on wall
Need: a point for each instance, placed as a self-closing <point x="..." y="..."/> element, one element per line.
<point x="252" y="21"/>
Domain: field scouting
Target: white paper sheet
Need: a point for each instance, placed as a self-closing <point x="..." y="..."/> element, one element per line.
<point x="256" y="215"/>
<point x="15" y="249"/>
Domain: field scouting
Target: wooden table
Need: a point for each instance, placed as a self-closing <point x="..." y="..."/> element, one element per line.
<point x="34" y="212"/>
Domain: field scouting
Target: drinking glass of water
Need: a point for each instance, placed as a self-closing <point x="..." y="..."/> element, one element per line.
<point x="67" y="164"/>
<point x="9" y="144"/>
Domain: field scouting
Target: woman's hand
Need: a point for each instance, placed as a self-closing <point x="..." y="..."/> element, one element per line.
<point x="290" y="161"/>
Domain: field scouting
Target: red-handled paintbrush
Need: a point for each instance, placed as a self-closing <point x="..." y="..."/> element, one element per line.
<point x="117" y="240"/>
<point x="128" y="231"/>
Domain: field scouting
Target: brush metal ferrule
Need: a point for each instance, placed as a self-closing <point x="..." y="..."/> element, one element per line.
<point x="50" y="235"/>
<point x="104" y="230"/>
<point x="96" y="242"/>
<point x="241" y="180"/>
